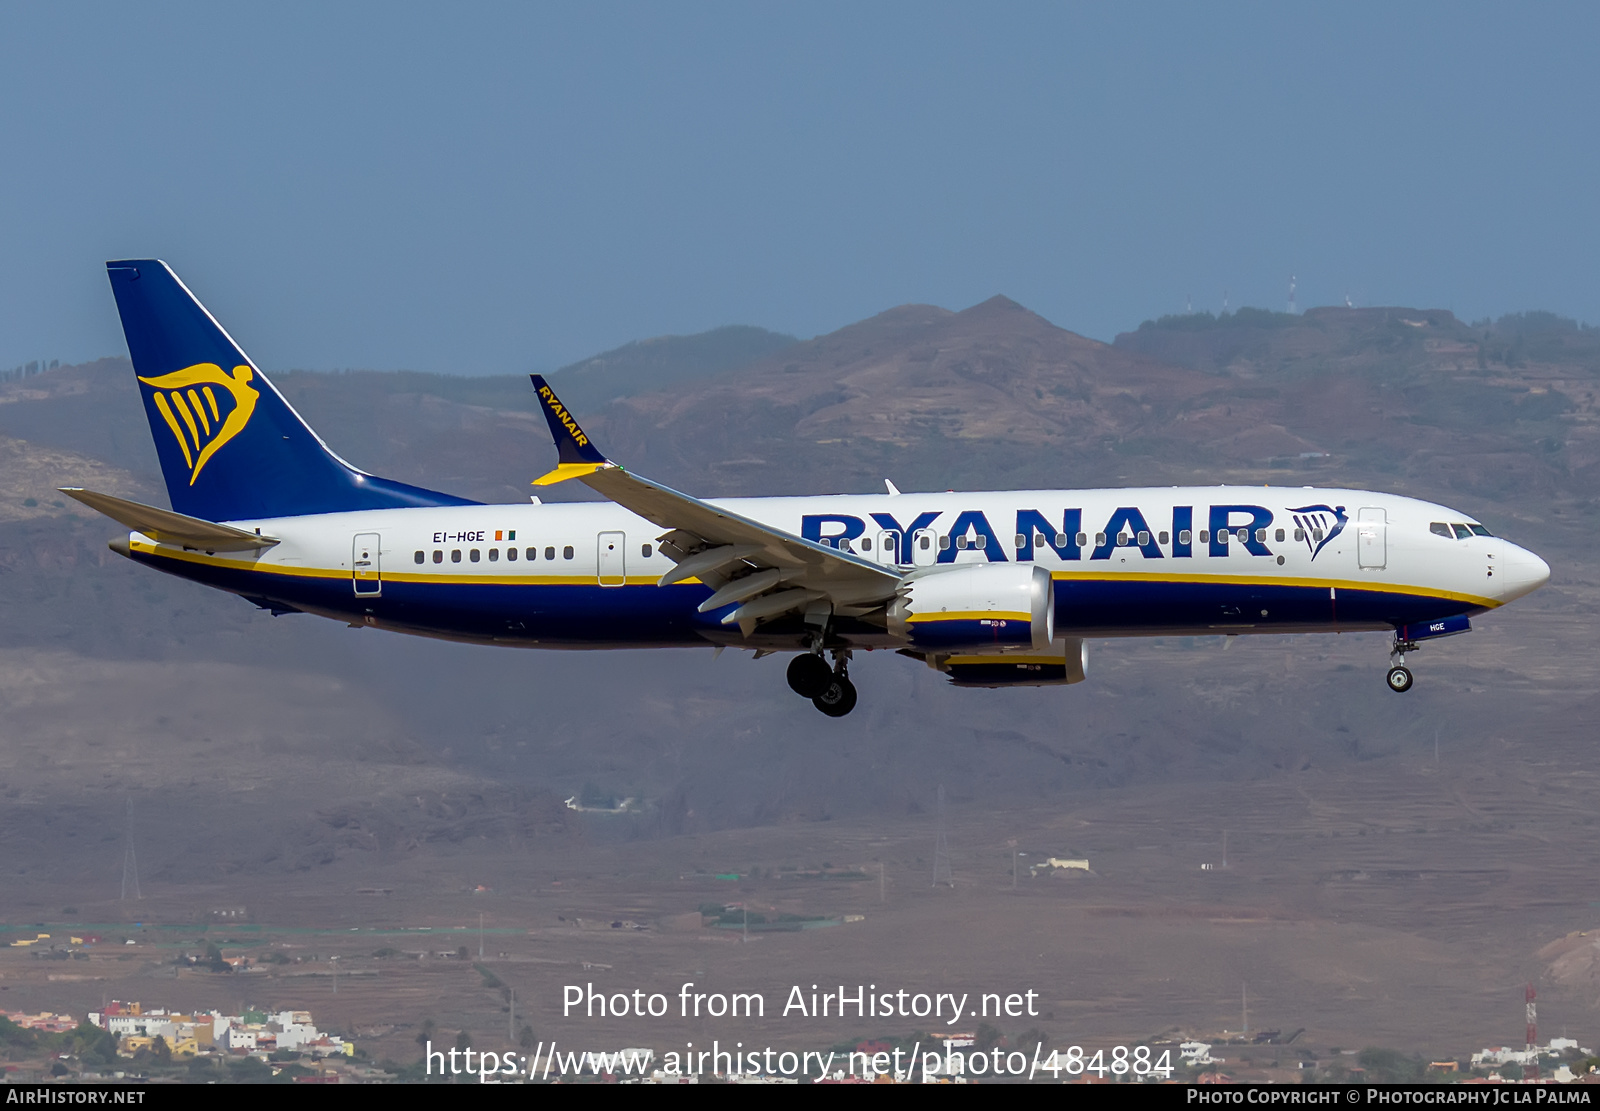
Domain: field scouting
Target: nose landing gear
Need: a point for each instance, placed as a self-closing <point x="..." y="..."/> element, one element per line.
<point x="1400" y="677"/>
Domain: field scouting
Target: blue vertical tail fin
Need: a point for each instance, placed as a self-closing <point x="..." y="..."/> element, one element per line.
<point x="231" y="448"/>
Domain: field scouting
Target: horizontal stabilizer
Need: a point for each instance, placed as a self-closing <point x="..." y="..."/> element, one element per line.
<point x="169" y="527"/>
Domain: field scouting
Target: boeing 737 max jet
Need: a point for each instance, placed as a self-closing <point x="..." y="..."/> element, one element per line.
<point x="993" y="589"/>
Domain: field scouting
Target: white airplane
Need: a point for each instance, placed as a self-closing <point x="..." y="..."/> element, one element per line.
<point x="993" y="589"/>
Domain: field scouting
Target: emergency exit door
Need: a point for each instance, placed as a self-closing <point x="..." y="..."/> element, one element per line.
<point x="888" y="548"/>
<point x="1372" y="539"/>
<point x="612" y="561"/>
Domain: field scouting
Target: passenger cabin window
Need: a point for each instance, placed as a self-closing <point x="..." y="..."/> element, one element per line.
<point x="1439" y="528"/>
<point x="550" y="553"/>
<point x="531" y="554"/>
<point x="1187" y="537"/>
<point x="1243" y="535"/>
<point x="1083" y="538"/>
<point x="455" y="555"/>
<point x="961" y="542"/>
<point x="1278" y="536"/>
<point x="1021" y="540"/>
<point x="475" y="555"/>
<point x="511" y="554"/>
<point x="1144" y="538"/>
<point x="566" y="553"/>
<point x="1299" y="534"/>
<point x="438" y="557"/>
<point x="419" y="558"/>
<point x="1316" y="534"/>
<point x="1099" y="539"/>
<point x="922" y="542"/>
<point x="494" y="555"/>
<point x="645" y="550"/>
<point x="1162" y="539"/>
<point x="1205" y="536"/>
<point x="866" y="545"/>
<point x="1261" y="536"/>
<point x="1223" y="536"/>
<point x="944" y="543"/>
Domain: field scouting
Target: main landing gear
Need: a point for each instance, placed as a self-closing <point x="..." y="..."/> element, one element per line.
<point x="829" y="688"/>
<point x="1400" y="677"/>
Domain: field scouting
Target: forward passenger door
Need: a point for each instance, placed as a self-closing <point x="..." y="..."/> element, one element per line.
<point x="1372" y="539"/>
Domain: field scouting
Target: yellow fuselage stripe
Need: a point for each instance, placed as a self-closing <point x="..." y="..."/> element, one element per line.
<point x="1256" y="580"/>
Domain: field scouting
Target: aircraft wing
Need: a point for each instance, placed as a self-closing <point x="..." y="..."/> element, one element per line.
<point x="168" y="527"/>
<point x="770" y="571"/>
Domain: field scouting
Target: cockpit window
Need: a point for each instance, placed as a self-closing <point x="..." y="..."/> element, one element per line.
<point x="1479" y="530"/>
<point x="1463" y="532"/>
<point x="1439" y="528"/>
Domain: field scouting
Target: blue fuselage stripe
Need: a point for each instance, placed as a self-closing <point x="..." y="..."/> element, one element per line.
<point x="582" y="614"/>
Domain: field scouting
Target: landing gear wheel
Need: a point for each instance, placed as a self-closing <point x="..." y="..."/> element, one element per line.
<point x="838" y="699"/>
<point x="1400" y="679"/>
<point x="809" y="675"/>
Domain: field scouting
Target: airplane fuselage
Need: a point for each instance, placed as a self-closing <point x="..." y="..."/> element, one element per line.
<point x="1123" y="562"/>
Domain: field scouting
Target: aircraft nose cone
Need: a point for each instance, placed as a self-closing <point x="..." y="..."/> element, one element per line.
<point x="1521" y="573"/>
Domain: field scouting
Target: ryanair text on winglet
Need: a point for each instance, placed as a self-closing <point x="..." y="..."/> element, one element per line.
<point x="563" y="416"/>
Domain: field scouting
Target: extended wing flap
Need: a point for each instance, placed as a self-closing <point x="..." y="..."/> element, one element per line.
<point x="169" y="527"/>
<point x="843" y="577"/>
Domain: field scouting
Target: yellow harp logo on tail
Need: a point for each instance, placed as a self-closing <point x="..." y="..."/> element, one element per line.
<point x="200" y="420"/>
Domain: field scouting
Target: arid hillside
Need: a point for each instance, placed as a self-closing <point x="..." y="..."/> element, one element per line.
<point x="318" y="758"/>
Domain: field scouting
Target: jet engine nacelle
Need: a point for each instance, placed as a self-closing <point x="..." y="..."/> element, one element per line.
<point x="993" y="606"/>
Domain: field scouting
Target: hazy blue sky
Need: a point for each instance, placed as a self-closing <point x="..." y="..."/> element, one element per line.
<point x="493" y="188"/>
